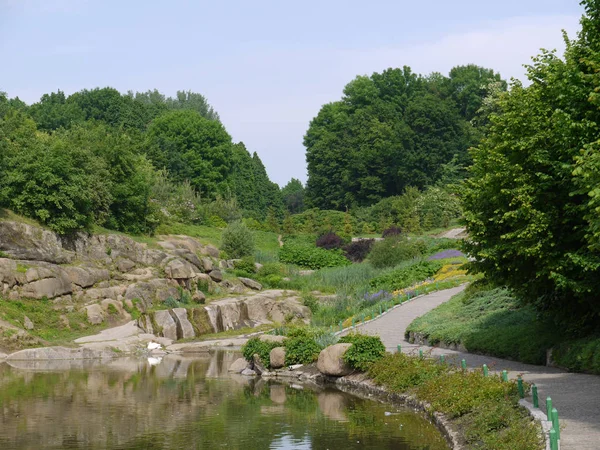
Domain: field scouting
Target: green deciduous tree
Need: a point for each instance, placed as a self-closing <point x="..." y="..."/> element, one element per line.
<point x="192" y="148"/>
<point x="531" y="202"/>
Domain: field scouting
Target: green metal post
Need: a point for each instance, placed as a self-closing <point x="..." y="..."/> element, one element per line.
<point x="442" y="359"/>
<point x="463" y="364"/>
<point x="549" y="408"/>
<point x="555" y="423"/>
<point x="399" y="348"/>
<point x="534" y="394"/>
<point x="520" y="387"/>
<point x="553" y="440"/>
<point x="486" y="371"/>
<point x="421" y="354"/>
<point x="352" y="322"/>
<point x="504" y="375"/>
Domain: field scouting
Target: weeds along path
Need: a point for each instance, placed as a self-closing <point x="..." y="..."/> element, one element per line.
<point x="576" y="396"/>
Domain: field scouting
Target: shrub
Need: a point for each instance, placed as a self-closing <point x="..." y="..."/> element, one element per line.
<point x="392" y="251"/>
<point x="329" y="241"/>
<point x="311" y="302"/>
<point x="311" y="257"/>
<point x="581" y="355"/>
<point x="262" y="348"/>
<point x="365" y="350"/>
<point x="170" y="302"/>
<point x="407" y="275"/>
<point x="357" y="251"/>
<point x="237" y="240"/>
<point x="391" y="232"/>
<point x="246" y="264"/>
<point x="301" y="345"/>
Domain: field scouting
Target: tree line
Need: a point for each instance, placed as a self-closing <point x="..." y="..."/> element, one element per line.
<point x="127" y="162"/>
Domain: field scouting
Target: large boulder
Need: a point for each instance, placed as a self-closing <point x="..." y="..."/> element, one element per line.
<point x="255" y="285"/>
<point x="331" y="361"/>
<point x="180" y="270"/>
<point x="166" y="324"/>
<point x="48" y="287"/>
<point x="86" y="276"/>
<point x="238" y="365"/>
<point x="8" y="270"/>
<point x="277" y="358"/>
<point x="185" y="330"/>
<point x="95" y="314"/>
<point x="23" y="241"/>
<point x="216" y="275"/>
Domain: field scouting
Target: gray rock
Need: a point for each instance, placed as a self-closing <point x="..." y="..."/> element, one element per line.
<point x="48" y="287"/>
<point x="199" y="297"/>
<point x="23" y="241"/>
<point x="210" y="250"/>
<point x="8" y="269"/>
<point x="95" y="314"/>
<point x="331" y="360"/>
<point x="190" y="257"/>
<point x="258" y="365"/>
<point x="277" y="358"/>
<point x="185" y="330"/>
<point x="216" y="275"/>
<point x="207" y="264"/>
<point x="255" y="285"/>
<point x="179" y="269"/>
<point x="238" y="365"/>
<point x="248" y="372"/>
<point x="166" y="324"/>
<point x="27" y="323"/>
<point x="86" y="277"/>
<point x="258" y="266"/>
<point x="125" y="265"/>
<point x="271" y="338"/>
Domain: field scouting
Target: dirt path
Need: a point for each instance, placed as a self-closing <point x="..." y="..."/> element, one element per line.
<point x="576" y="396"/>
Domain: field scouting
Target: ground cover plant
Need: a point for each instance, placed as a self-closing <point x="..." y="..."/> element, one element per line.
<point x="484" y="409"/>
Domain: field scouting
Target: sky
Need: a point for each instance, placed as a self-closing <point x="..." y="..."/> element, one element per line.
<point x="266" y="67"/>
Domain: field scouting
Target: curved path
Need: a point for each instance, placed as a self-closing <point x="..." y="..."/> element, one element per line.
<point x="576" y="396"/>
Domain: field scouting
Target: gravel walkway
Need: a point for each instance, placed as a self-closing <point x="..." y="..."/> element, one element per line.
<point x="576" y="396"/>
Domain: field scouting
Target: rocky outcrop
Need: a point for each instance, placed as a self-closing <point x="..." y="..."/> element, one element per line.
<point x="238" y="365"/>
<point x="262" y="308"/>
<point x="331" y="361"/>
<point x="254" y="285"/>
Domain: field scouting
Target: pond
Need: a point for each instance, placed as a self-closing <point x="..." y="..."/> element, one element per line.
<point x="190" y="403"/>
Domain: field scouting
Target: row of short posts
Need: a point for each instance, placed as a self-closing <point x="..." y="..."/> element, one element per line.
<point x="552" y="412"/>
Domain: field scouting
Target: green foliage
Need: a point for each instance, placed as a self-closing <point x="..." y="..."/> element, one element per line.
<point x="393" y="250"/>
<point x="311" y="302"/>
<point x="311" y="257"/>
<point x="530" y="203"/>
<point x="365" y="350"/>
<point x="485" y="409"/>
<point x="406" y="275"/>
<point x="390" y="131"/>
<point x="50" y="179"/>
<point x="262" y="348"/>
<point x="191" y="148"/>
<point x="293" y="196"/>
<point x="246" y="264"/>
<point x="489" y="320"/>
<point x="237" y="240"/>
<point x="301" y="347"/>
<point x="581" y="355"/>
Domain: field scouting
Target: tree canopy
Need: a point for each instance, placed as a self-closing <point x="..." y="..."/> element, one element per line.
<point x="390" y="131"/>
<point x="531" y="202"/>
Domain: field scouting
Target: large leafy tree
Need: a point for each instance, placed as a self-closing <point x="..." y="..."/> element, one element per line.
<point x="389" y="131"/>
<point x="531" y="204"/>
<point x="293" y="196"/>
<point x="192" y="148"/>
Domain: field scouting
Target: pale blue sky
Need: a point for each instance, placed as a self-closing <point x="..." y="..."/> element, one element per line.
<point x="266" y="66"/>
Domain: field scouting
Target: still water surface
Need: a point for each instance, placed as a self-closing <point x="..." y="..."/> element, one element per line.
<point x="190" y="403"/>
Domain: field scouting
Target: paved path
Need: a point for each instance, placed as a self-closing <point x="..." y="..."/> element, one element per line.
<point x="576" y="396"/>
